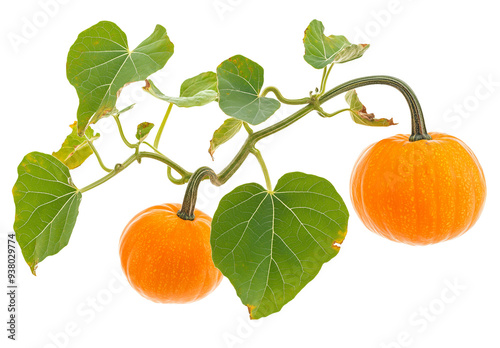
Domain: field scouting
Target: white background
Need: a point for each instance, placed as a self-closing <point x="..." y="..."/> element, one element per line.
<point x="373" y="293"/>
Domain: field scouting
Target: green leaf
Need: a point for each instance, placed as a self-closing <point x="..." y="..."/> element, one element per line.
<point x="100" y="64"/>
<point x="350" y="52"/>
<point x="206" y="81"/>
<point x="128" y="108"/>
<point x="225" y="132"/>
<point x="271" y="244"/>
<point x="47" y="204"/>
<point x="195" y="91"/>
<point x="240" y="81"/>
<point x="75" y="149"/>
<point x="361" y="116"/>
<point x="143" y="130"/>
<point x="322" y="50"/>
<point x="116" y="112"/>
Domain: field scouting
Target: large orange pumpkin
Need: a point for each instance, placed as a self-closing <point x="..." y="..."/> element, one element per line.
<point x="419" y="192"/>
<point x="168" y="259"/>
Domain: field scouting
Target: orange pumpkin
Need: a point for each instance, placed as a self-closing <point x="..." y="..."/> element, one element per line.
<point x="419" y="192"/>
<point x="168" y="259"/>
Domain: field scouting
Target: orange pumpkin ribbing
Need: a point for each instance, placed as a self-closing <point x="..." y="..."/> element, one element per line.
<point x="168" y="259"/>
<point x="420" y="192"/>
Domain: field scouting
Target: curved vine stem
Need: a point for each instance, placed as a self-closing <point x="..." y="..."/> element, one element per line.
<point x="418" y="129"/>
<point x="188" y="205"/>
<point x="118" y="168"/>
<point x="419" y="132"/>
<point x="282" y="99"/>
<point x="173" y="180"/>
<point x="137" y="157"/>
<point x="122" y="135"/>
<point x="176" y="181"/>
<point x="164" y="159"/>
<point x="99" y="159"/>
<point x="323" y="113"/>
<point x="253" y="138"/>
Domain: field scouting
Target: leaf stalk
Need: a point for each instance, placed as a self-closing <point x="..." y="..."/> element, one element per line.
<point x="99" y="159"/>
<point x="162" y="125"/>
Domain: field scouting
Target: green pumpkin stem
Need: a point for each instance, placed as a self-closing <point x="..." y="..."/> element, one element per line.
<point x="418" y="130"/>
<point x="189" y="203"/>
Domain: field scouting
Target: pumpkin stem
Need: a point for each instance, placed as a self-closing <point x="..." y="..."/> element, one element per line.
<point x="418" y="130"/>
<point x="189" y="203"/>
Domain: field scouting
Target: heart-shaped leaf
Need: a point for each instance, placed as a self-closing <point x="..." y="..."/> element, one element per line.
<point x="75" y="149"/>
<point x="100" y="64"/>
<point x="143" y="130"/>
<point x="195" y="91"/>
<point x="361" y="116"/>
<point x="322" y="50"/>
<point x="47" y="204"/>
<point x="271" y="244"/>
<point x="239" y="81"/>
<point x="225" y="132"/>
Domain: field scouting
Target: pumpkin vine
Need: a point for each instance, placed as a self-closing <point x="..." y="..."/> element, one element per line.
<point x="268" y="241"/>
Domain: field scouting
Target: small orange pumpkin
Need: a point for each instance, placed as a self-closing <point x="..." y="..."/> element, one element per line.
<point x="168" y="259"/>
<point x="418" y="192"/>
